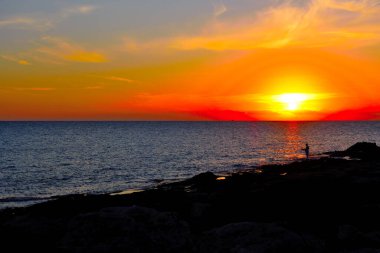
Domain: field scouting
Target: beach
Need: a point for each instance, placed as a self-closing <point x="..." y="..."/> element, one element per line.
<point x="328" y="204"/>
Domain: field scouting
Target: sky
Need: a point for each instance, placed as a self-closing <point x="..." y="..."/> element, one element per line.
<point x="190" y="60"/>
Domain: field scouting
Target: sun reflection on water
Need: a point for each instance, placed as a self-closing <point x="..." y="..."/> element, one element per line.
<point x="293" y="141"/>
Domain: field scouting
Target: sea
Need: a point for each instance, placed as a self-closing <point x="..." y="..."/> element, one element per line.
<point x="42" y="160"/>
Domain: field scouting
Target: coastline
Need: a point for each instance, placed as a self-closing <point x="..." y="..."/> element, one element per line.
<point x="322" y="205"/>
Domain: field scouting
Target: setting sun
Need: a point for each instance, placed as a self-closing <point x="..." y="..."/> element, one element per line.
<point x="292" y="101"/>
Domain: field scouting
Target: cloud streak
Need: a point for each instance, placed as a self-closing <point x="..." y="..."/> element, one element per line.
<point x="77" y="10"/>
<point x="15" y="59"/>
<point x="56" y="50"/>
<point x="46" y="21"/>
<point x="16" y="21"/>
<point x="26" y="23"/>
<point x="60" y="49"/>
<point x="320" y="23"/>
<point x="120" y="79"/>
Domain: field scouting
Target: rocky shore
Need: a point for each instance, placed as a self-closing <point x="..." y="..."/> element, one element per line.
<point x="331" y="204"/>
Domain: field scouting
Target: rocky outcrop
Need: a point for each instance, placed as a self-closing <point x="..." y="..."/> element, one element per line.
<point x="258" y="238"/>
<point x="360" y="150"/>
<point x="322" y="205"/>
<point x="127" y="229"/>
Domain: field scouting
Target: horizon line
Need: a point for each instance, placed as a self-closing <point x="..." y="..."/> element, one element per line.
<point x="121" y="121"/>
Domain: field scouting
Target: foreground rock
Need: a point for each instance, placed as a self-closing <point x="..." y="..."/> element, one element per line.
<point x="126" y="229"/>
<point x="325" y="205"/>
<point x="258" y="238"/>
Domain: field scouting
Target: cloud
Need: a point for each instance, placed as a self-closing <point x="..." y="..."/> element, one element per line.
<point x="46" y="21"/>
<point x="23" y="62"/>
<point x="320" y="23"/>
<point x="60" y="49"/>
<point x="80" y="9"/>
<point x="26" y="23"/>
<point x="17" y="21"/>
<point x="84" y="56"/>
<point x="120" y="79"/>
<point x="219" y="8"/>
<point x="15" y="59"/>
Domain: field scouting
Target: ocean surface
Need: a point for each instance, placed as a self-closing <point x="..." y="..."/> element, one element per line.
<point x="39" y="160"/>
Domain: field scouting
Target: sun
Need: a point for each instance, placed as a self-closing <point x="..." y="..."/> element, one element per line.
<point x="292" y="101"/>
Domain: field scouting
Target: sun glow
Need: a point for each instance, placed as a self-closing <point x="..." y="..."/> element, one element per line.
<point x="292" y="101"/>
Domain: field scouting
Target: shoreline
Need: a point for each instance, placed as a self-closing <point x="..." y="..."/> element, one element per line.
<point x="157" y="183"/>
<point x="322" y="205"/>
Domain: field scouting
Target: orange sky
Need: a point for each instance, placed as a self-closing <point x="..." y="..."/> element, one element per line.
<point x="220" y="60"/>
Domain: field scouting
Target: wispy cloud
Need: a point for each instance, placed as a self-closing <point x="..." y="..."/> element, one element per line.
<point x="15" y="59"/>
<point x="120" y="79"/>
<point x="17" y="21"/>
<point x="219" y="7"/>
<point x="320" y="23"/>
<point x="55" y="50"/>
<point x="61" y="49"/>
<point x="80" y="9"/>
<point x="46" y="21"/>
<point x="26" y="23"/>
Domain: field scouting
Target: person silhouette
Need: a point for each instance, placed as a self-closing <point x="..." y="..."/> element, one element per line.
<point x="307" y="150"/>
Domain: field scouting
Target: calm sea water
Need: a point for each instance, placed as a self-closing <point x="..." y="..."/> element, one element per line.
<point x="39" y="160"/>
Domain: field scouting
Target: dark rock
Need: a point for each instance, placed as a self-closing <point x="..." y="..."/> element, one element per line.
<point x="127" y="229"/>
<point x="258" y="238"/>
<point x="199" y="209"/>
<point x="25" y="232"/>
<point x="364" y="150"/>
<point x="360" y="150"/>
<point x="203" y="178"/>
<point x="203" y="181"/>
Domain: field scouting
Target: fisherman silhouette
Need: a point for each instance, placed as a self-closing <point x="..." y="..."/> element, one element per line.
<point x="306" y="149"/>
